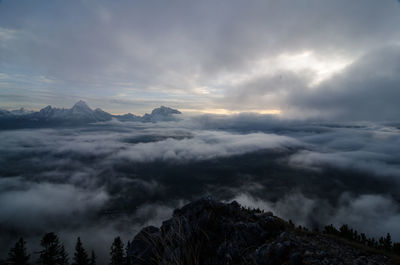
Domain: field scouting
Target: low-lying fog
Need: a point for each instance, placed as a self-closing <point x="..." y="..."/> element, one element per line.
<point x="113" y="178"/>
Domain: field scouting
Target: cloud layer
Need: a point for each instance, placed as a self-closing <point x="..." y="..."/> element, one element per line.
<point x="320" y="58"/>
<point x="109" y="179"/>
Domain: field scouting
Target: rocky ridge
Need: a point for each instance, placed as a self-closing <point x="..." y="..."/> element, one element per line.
<point x="79" y="114"/>
<point x="210" y="232"/>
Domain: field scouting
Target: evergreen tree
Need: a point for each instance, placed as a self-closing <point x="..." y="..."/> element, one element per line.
<point x="92" y="258"/>
<point x="330" y="229"/>
<point x="51" y="253"/>
<point x="18" y="254"/>
<point x="127" y="260"/>
<point x="381" y="242"/>
<point x="345" y="232"/>
<point x="396" y="248"/>
<point x="80" y="256"/>
<point x="387" y="242"/>
<point x="363" y="239"/>
<point x="117" y="252"/>
<point x="374" y="243"/>
<point x="63" y="257"/>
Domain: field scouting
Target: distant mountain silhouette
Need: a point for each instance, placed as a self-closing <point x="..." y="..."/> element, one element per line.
<point x="79" y="114"/>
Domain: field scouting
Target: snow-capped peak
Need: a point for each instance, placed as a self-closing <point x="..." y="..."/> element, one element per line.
<point x="81" y="106"/>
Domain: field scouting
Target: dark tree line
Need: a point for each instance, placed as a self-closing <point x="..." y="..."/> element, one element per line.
<point x="54" y="253"/>
<point x="383" y="243"/>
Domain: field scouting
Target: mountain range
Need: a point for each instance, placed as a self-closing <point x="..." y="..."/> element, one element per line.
<point x="79" y="114"/>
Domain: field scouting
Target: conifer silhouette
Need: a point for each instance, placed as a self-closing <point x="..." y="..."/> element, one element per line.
<point x="18" y="254"/>
<point x="117" y="252"/>
<point x="80" y="256"/>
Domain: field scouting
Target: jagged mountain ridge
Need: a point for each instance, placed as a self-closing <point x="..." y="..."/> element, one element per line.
<point x="79" y="114"/>
<point x="209" y="232"/>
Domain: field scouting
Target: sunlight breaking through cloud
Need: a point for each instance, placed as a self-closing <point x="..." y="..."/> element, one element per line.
<point x="321" y="68"/>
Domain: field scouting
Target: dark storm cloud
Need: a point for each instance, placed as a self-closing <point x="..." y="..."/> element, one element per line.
<point x="367" y="90"/>
<point x="174" y="51"/>
<point x="271" y="90"/>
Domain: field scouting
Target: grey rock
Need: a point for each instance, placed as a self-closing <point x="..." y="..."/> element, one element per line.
<point x="210" y="232"/>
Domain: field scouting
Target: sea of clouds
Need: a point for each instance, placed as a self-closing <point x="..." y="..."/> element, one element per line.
<point x="108" y="179"/>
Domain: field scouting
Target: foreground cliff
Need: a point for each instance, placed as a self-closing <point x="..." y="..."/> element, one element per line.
<point x="210" y="232"/>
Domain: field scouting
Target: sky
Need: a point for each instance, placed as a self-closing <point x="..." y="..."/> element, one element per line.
<point x="299" y="59"/>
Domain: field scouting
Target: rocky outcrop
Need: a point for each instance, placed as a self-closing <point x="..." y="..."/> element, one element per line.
<point x="161" y="114"/>
<point x="210" y="232"/>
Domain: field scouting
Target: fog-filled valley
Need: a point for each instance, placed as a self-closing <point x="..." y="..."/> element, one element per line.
<point x="112" y="178"/>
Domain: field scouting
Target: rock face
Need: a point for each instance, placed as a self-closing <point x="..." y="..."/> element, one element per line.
<point x="209" y="232"/>
<point x="161" y="114"/>
<point x="79" y="114"/>
<point x="158" y="114"/>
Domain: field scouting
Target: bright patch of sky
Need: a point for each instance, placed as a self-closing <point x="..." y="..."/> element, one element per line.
<point x="219" y="57"/>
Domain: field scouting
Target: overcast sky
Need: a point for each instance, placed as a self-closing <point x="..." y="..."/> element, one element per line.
<point x="337" y="59"/>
